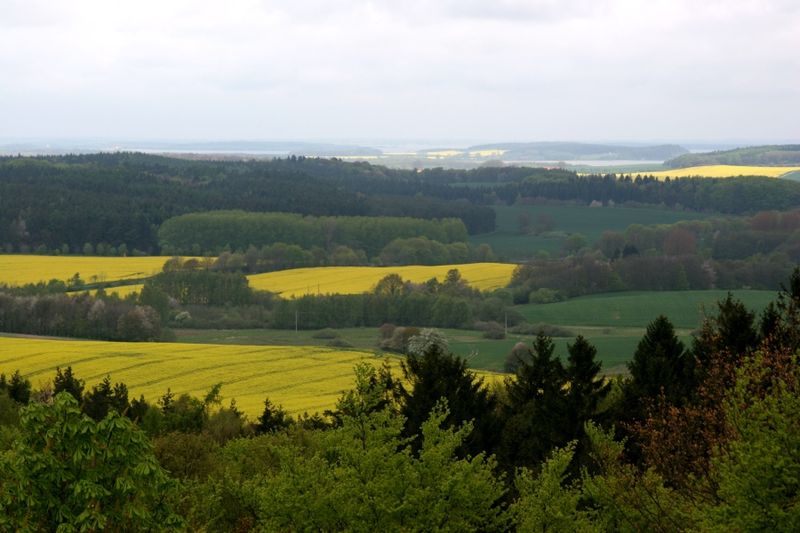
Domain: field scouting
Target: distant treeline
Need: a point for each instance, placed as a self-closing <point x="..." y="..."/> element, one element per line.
<point x="81" y="316"/>
<point x="725" y="253"/>
<point x="413" y="251"/>
<point x="216" y="230"/>
<point x="418" y="308"/>
<point x="198" y="297"/>
<point x="775" y="155"/>
<point x="735" y="196"/>
<point x="63" y="203"/>
<point x="115" y="203"/>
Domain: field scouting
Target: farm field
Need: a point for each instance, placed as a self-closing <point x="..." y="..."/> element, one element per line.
<point x="637" y="309"/>
<point x="723" y="171"/>
<point x="510" y="245"/>
<point x="22" y="269"/>
<point x="300" y="378"/>
<point x="354" y="280"/>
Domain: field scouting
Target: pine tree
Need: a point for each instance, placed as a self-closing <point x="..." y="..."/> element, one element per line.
<point x="67" y="382"/>
<point x="437" y="374"/>
<point x="660" y="365"/>
<point x="534" y="409"/>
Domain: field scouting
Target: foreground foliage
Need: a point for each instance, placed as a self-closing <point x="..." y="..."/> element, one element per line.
<point x="68" y="473"/>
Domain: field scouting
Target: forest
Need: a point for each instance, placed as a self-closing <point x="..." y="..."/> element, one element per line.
<point x="115" y="203"/>
<point x="778" y="155"/>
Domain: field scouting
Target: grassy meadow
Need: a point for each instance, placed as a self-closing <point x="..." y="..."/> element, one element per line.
<point x="509" y="244"/>
<point x="615" y="345"/>
<point x="614" y="323"/>
<point x="685" y="309"/>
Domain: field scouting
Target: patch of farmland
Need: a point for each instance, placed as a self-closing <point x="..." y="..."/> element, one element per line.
<point x="22" y="269"/>
<point x="637" y="309"/>
<point x="723" y="171"/>
<point x="301" y="378"/>
<point x="355" y="280"/>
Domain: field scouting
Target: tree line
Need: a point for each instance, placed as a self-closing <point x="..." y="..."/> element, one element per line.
<point x="727" y="253"/>
<point x="740" y="195"/>
<point x="65" y="202"/>
<point x="115" y="203"/>
<point x="213" y="231"/>
<point x="80" y="316"/>
<point x="775" y="155"/>
<point x="693" y="438"/>
<point x="411" y="251"/>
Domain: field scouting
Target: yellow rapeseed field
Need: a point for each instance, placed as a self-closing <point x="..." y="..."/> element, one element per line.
<point x="21" y="269"/>
<point x="487" y="153"/>
<point x="444" y="153"/>
<point x="301" y="378"/>
<point x="354" y="280"/>
<point x="722" y="171"/>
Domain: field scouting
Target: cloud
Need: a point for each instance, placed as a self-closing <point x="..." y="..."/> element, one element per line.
<point x="539" y="69"/>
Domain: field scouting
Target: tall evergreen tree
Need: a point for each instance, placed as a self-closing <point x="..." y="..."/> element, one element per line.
<point x="437" y="374"/>
<point x="660" y="364"/>
<point x="729" y="336"/>
<point x="104" y="398"/>
<point x="585" y="387"/>
<point x="18" y="388"/>
<point x="534" y="409"/>
<point x="780" y="321"/>
<point x="67" y="382"/>
<point x="542" y="375"/>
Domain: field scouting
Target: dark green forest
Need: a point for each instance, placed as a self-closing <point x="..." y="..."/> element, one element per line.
<point x="775" y="155"/>
<point x="237" y="230"/>
<point x="118" y="201"/>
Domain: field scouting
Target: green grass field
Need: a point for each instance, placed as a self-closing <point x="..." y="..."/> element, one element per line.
<point x="510" y="245"/>
<point x="615" y="345"/>
<point x="636" y="309"/>
<point x="613" y="323"/>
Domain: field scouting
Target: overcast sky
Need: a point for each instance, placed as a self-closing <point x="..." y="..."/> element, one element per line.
<point x="585" y="70"/>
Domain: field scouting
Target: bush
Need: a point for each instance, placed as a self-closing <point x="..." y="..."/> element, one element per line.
<point x="327" y="333"/>
<point x="545" y="329"/>
<point x="544" y="296"/>
<point x="386" y="330"/>
<point x="338" y="343"/>
<point x="519" y="354"/>
<point x="398" y="342"/>
<point x="491" y="330"/>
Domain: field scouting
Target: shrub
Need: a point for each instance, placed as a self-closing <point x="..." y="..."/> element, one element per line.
<point x="327" y="333"/>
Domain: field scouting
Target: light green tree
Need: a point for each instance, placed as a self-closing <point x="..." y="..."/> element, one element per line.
<point x="68" y="473"/>
<point x="364" y="476"/>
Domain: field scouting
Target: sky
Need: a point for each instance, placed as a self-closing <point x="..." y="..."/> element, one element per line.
<point x="454" y="70"/>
